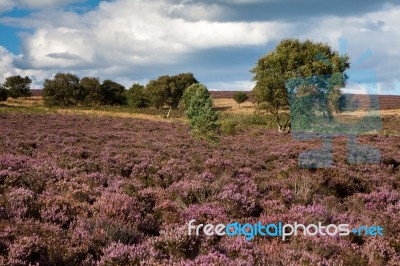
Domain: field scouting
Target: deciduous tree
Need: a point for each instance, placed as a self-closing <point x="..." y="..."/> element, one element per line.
<point x="18" y="86"/>
<point x="322" y="67"/>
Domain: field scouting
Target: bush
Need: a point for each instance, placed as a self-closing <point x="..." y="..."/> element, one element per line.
<point x="228" y="127"/>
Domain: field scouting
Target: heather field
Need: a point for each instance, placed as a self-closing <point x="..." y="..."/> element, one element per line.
<point x="87" y="190"/>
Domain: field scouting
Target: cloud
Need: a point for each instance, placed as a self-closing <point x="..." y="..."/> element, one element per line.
<point x="134" y="33"/>
<point x="137" y="40"/>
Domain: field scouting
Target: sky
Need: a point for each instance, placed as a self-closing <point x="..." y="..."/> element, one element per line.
<point x="134" y="41"/>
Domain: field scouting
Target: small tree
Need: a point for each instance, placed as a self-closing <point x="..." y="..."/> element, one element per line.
<point x="240" y="97"/>
<point x="204" y="122"/>
<point x="137" y="97"/>
<point x="190" y="92"/>
<point x="3" y="93"/>
<point x="63" y="90"/>
<point x="18" y="86"/>
<point x="114" y="93"/>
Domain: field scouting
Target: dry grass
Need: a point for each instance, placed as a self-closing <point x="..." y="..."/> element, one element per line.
<point x="230" y="106"/>
<point x="26" y="101"/>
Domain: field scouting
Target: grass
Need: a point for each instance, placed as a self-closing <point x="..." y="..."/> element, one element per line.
<point x="233" y="117"/>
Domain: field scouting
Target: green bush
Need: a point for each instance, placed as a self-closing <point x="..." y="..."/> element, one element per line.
<point x="229" y="127"/>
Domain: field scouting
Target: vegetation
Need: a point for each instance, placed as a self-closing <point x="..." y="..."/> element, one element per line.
<point x="190" y="92"/>
<point x="300" y="69"/>
<point x="204" y="121"/>
<point x="18" y="86"/>
<point x="73" y="193"/>
<point x="168" y="90"/>
<point x="92" y="91"/>
<point x="113" y="93"/>
<point x="63" y="90"/>
<point x="3" y="93"/>
<point x="240" y="97"/>
<point x="137" y="97"/>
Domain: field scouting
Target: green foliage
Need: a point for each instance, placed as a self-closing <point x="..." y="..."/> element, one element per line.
<point x="63" y="90"/>
<point x="3" y="93"/>
<point x="293" y="59"/>
<point x="190" y="92"/>
<point x="240" y="97"/>
<point x="169" y="89"/>
<point x="92" y="90"/>
<point x="204" y="122"/>
<point x="18" y="86"/>
<point x="229" y="127"/>
<point x="137" y="97"/>
<point x="113" y="93"/>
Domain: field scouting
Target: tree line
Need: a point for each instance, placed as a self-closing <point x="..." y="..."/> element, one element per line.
<point x="303" y="75"/>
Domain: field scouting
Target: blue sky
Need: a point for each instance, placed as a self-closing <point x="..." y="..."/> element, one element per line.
<point x="219" y="41"/>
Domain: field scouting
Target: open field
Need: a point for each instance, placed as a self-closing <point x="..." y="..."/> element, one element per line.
<point x="112" y="186"/>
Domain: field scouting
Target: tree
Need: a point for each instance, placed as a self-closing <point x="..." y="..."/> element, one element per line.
<point x="63" y="90"/>
<point x="240" y="97"/>
<point x="190" y="92"/>
<point x="3" y="93"/>
<point x="323" y="68"/>
<point x="92" y="90"/>
<point x="18" y="86"/>
<point x="114" y="93"/>
<point x="169" y="89"/>
<point x="137" y="97"/>
<point x="204" y="122"/>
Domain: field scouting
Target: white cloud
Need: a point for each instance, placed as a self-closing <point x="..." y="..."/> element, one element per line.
<point x="133" y="33"/>
<point x="377" y="32"/>
<point x="123" y="37"/>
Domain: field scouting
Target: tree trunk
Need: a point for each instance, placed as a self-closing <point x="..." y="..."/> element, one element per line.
<point x="169" y="111"/>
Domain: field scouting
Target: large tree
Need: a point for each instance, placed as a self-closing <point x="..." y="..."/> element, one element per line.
<point x="63" y="90"/>
<point x="113" y="92"/>
<point x="168" y="90"/>
<point x="18" y="86"/>
<point x="302" y="67"/>
<point x="137" y="97"/>
<point x="92" y="90"/>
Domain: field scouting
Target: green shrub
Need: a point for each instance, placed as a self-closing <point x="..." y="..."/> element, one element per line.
<point x="229" y="127"/>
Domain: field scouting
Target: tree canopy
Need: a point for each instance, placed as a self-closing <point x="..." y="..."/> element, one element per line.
<point x="168" y="90"/>
<point x="240" y="97"/>
<point x="63" y="90"/>
<point x="18" y="86"/>
<point x="3" y="93"/>
<point x="315" y="66"/>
